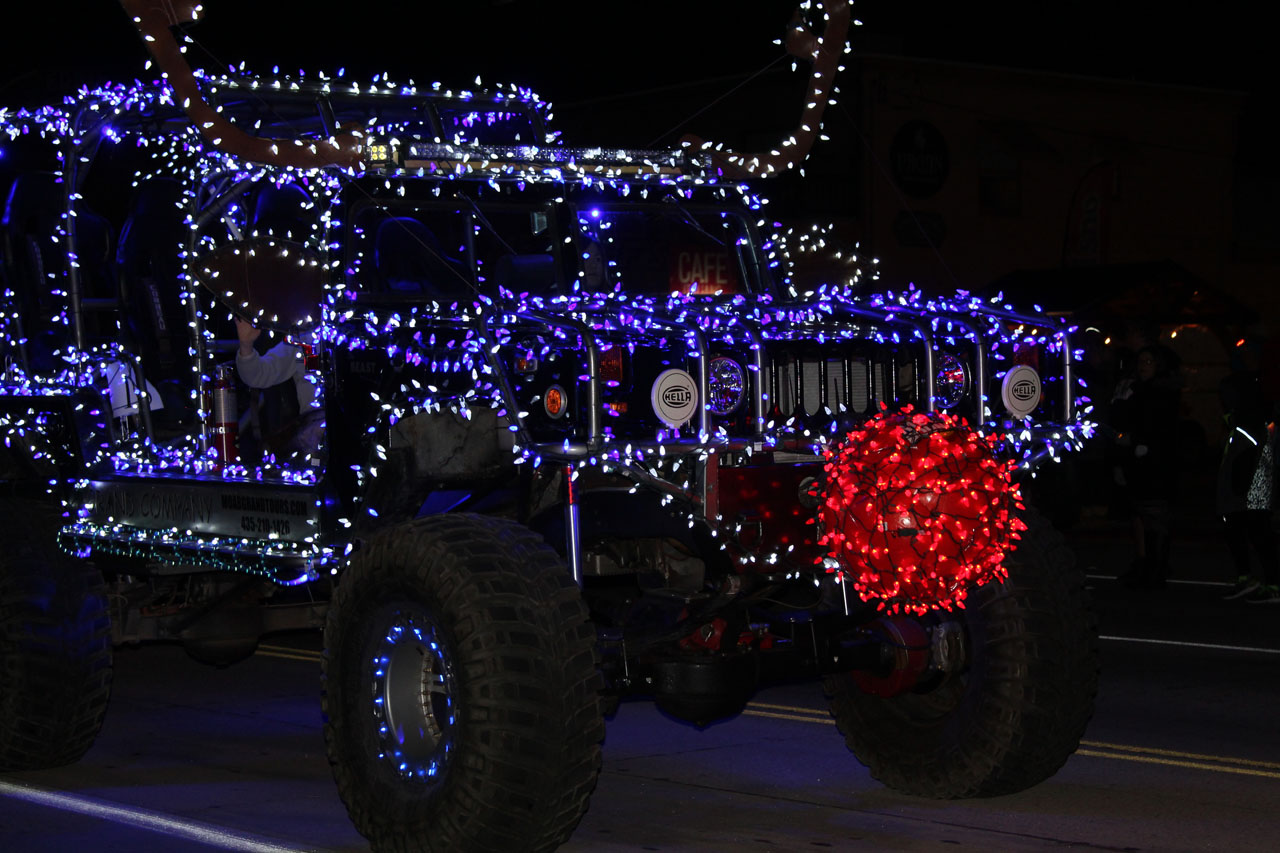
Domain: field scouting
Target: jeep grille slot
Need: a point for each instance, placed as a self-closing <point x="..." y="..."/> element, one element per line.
<point x="807" y="384"/>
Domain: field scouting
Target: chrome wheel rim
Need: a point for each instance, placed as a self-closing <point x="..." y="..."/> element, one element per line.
<point x="413" y="693"/>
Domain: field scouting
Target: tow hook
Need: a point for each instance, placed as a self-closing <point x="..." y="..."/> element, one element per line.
<point x="909" y="651"/>
<point x="905" y="652"/>
<point x="946" y="653"/>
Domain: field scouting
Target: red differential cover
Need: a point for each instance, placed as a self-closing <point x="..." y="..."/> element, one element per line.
<point x="917" y="508"/>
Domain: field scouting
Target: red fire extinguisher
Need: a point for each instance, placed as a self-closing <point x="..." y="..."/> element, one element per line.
<point x="226" y="425"/>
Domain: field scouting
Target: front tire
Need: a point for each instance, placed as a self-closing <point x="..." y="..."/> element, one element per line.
<point x="55" y="647"/>
<point x="461" y="692"/>
<point x="1016" y="712"/>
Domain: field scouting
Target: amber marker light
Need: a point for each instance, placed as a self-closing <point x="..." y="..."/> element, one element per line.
<point x="554" y="401"/>
<point x="611" y="367"/>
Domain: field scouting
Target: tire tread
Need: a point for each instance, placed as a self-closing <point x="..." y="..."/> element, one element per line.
<point x="55" y="647"/>
<point x="532" y="727"/>
<point x="1038" y="677"/>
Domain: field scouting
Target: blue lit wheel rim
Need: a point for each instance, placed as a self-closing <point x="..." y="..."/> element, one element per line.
<point x="414" y="692"/>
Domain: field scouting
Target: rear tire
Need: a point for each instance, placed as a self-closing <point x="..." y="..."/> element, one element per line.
<point x="461" y="691"/>
<point x="1016" y="712"/>
<point x="55" y="647"/>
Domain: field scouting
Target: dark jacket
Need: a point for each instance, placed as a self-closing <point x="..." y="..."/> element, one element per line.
<point x="1146" y="418"/>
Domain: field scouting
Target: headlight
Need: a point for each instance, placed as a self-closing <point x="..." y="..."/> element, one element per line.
<point x="951" y="382"/>
<point x="526" y="361"/>
<point x="728" y="386"/>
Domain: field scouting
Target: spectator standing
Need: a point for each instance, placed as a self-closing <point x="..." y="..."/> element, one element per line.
<point x="1246" y="488"/>
<point x="1144" y="411"/>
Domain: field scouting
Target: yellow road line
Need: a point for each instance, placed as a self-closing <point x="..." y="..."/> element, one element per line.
<point x="1194" y="765"/>
<point x="795" y="709"/>
<point x="753" y="713"/>
<point x="274" y="654"/>
<point x="1122" y="752"/>
<point x="1169" y="753"/>
<point x="289" y="649"/>
<point x="1091" y="748"/>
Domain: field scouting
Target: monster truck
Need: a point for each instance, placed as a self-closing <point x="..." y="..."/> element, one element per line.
<point x="584" y="438"/>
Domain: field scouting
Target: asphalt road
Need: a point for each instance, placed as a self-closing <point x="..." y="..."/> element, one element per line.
<point x="1183" y="754"/>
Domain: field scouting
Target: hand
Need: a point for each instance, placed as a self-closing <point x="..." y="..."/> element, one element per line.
<point x="248" y="333"/>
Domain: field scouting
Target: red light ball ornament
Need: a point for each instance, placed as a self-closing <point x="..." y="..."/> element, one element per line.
<point x="918" y="509"/>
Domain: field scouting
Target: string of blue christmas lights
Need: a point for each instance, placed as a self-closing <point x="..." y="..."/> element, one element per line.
<point x="457" y="347"/>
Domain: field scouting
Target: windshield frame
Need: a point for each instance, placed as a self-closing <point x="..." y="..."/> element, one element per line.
<point x="752" y="268"/>
<point x="473" y="217"/>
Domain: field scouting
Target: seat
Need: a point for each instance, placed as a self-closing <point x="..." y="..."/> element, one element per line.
<point x="155" y="320"/>
<point x="96" y="257"/>
<point x="534" y="273"/>
<point x="33" y="266"/>
<point x="284" y="211"/>
<point x="408" y="259"/>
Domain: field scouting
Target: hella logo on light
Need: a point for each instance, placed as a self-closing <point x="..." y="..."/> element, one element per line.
<point x="677" y="397"/>
<point x="1025" y="390"/>
<point x="674" y="397"/>
<point x="1020" y="390"/>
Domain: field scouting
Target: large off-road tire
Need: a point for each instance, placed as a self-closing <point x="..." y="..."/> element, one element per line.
<point x="461" y="689"/>
<point x="55" y="646"/>
<point x="1014" y="714"/>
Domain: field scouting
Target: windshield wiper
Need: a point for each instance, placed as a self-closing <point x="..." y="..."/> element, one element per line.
<point x="484" y="220"/>
<point x="691" y="220"/>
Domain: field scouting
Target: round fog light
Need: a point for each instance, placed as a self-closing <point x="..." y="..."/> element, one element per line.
<point x="951" y="382"/>
<point x="727" y="383"/>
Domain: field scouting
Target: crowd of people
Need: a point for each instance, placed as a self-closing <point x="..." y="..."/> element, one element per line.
<point x="1146" y="462"/>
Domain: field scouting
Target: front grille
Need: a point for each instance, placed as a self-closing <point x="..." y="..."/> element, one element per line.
<point x="859" y="383"/>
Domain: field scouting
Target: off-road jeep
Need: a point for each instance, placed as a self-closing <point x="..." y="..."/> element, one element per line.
<point x="585" y="437"/>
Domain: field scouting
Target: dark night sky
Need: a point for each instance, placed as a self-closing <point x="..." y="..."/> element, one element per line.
<point x="637" y="72"/>
<point x="575" y="49"/>
<point x="660" y="59"/>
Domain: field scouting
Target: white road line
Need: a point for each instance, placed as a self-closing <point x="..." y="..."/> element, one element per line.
<point x="1170" y="580"/>
<point x="126" y="816"/>
<point x="1215" y="646"/>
